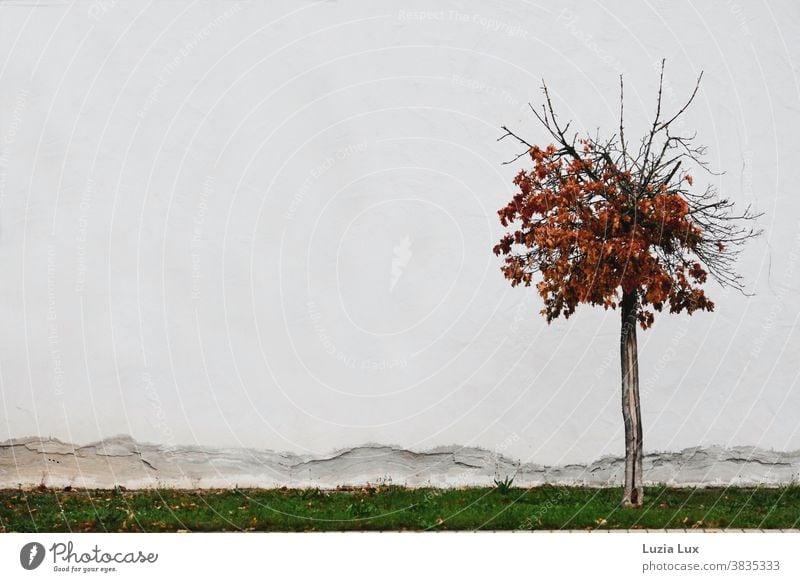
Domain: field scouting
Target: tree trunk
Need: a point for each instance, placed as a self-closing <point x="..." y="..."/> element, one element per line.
<point x="631" y="412"/>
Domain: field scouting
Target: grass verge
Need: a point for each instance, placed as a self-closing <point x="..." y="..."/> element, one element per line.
<point x="393" y="508"/>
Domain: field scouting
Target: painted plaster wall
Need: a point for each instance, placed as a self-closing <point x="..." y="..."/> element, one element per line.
<point x="270" y="224"/>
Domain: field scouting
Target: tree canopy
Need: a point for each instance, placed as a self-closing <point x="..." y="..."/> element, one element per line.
<point x="595" y="215"/>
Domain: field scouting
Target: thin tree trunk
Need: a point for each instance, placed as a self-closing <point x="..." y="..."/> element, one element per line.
<point x="631" y="411"/>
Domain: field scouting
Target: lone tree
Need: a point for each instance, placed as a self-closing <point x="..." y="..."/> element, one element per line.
<point x="602" y="222"/>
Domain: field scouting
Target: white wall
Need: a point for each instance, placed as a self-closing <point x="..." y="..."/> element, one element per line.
<point x="270" y="224"/>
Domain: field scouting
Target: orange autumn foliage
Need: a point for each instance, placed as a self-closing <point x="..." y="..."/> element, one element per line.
<point x="589" y="230"/>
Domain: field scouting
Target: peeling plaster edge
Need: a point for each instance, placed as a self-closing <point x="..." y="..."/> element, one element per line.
<point x="120" y="460"/>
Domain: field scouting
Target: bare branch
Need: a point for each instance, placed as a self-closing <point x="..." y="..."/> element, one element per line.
<point x="689" y="102"/>
<point x="509" y="133"/>
<point x="623" y="146"/>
